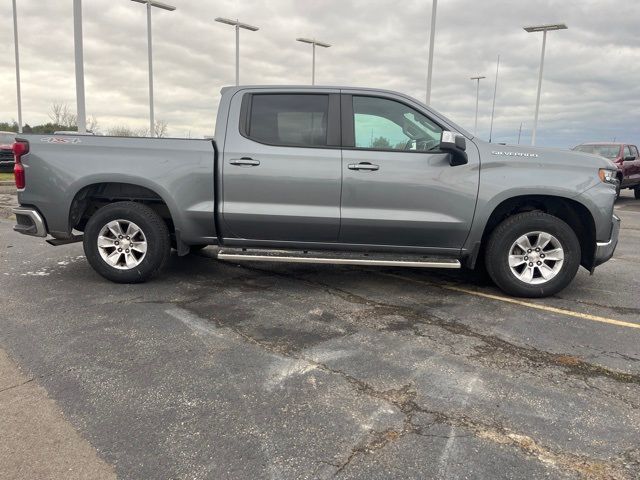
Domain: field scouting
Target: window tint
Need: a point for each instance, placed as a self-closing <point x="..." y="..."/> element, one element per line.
<point x="389" y="125"/>
<point x="290" y="120"/>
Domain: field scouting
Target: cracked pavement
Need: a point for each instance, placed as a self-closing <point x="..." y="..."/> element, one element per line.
<point x="290" y="371"/>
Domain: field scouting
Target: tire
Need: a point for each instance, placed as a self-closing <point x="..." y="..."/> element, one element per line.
<point x="618" y="188"/>
<point x="513" y="279"/>
<point x="636" y="192"/>
<point x="150" y="247"/>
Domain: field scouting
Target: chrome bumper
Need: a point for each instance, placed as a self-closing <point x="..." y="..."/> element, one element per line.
<point x="604" y="250"/>
<point x="29" y="222"/>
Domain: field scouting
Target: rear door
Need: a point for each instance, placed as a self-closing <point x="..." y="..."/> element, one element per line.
<point x="398" y="188"/>
<point x="281" y="172"/>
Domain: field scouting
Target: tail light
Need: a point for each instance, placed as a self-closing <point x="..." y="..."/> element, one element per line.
<point x="19" y="148"/>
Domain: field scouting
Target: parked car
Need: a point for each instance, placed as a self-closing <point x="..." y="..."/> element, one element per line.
<point x="323" y="175"/>
<point x="6" y="154"/>
<point x="626" y="158"/>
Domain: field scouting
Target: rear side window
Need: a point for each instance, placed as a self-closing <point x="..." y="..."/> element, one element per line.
<point x="289" y="120"/>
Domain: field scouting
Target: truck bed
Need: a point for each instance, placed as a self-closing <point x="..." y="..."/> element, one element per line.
<point x="179" y="171"/>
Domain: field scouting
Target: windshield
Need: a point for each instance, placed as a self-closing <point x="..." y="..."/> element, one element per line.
<point x="608" y="151"/>
<point x="6" y="139"/>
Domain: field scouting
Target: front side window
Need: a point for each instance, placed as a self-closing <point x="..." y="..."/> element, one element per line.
<point x="634" y="151"/>
<point x="627" y="152"/>
<point x="289" y="120"/>
<point x="384" y="124"/>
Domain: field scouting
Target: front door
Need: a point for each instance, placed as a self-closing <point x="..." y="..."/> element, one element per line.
<point x="282" y="167"/>
<point x="398" y="188"/>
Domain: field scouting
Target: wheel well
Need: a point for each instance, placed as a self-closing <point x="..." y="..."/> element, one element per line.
<point x="92" y="197"/>
<point x="576" y="215"/>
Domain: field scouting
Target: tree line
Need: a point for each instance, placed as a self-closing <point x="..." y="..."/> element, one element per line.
<point x="63" y="119"/>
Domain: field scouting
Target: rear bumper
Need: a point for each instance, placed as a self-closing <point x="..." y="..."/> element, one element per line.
<point x="604" y="250"/>
<point x="29" y="222"/>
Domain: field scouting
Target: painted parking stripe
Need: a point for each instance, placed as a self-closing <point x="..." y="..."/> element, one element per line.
<point x="561" y="311"/>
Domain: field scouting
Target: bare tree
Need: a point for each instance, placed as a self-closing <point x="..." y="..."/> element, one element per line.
<point x="61" y="115"/>
<point x="126" y="131"/>
<point x="161" y="128"/>
<point x="92" y="124"/>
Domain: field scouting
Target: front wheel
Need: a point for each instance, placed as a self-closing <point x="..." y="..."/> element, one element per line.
<point x="532" y="254"/>
<point x="126" y="242"/>
<point x="636" y="192"/>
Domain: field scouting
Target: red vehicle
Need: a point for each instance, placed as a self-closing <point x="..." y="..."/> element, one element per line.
<point x="626" y="158"/>
<point x="6" y="154"/>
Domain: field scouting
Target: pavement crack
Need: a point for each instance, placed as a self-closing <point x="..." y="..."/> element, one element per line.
<point x="17" y="385"/>
<point x="404" y="398"/>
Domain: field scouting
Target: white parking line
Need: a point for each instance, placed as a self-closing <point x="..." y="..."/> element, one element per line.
<point x="537" y="306"/>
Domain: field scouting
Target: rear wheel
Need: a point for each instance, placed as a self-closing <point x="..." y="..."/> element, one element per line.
<point x="126" y="242"/>
<point x="636" y="192"/>
<point x="532" y="254"/>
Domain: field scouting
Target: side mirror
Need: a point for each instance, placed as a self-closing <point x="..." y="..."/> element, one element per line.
<point x="455" y="145"/>
<point x="629" y="159"/>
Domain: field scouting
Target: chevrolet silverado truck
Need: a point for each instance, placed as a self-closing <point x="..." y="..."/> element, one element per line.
<point x="323" y="175"/>
<point x="624" y="156"/>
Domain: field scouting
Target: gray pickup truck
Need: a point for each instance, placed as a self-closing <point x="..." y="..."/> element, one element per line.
<point x="323" y="175"/>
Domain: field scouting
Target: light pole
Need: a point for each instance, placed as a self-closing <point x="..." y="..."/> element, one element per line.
<point x="163" y="6"/>
<point x="79" y="58"/>
<point x="313" y="57"/>
<point x="477" y="79"/>
<point x="432" y="39"/>
<point x="493" y="107"/>
<point x="238" y="26"/>
<point x="15" y="40"/>
<point x="544" y="29"/>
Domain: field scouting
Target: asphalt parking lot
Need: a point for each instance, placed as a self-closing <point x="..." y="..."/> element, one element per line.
<point x="288" y="371"/>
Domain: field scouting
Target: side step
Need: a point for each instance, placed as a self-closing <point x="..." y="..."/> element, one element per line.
<point x="56" y="242"/>
<point x="337" y="258"/>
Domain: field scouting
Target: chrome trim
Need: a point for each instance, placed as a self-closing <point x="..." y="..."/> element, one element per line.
<point x="339" y="261"/>
<point x="604" y="250"/>
<point x="36" y="218"/>
<point x="614" y="238"/>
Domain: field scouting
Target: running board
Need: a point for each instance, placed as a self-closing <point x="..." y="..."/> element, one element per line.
<point x="336" y="258"/>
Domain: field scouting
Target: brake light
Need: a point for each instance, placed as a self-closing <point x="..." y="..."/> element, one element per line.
<point x="19" y="148"/>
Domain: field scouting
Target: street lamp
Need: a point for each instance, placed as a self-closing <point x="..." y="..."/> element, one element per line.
<point x="79" y="60"/>
<point x="15" y="40"/>
<point x="432" y="39"/>
<point x="163" y="6"/>
<point x="313" y="58"/>
<point x="493" y="106"/>
<point x="544" y="29"/>
<point x="477" y="79"/>
<point x="238" y="26"/>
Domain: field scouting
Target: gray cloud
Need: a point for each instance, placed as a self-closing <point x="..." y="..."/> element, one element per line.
<point x="590" y="89"/>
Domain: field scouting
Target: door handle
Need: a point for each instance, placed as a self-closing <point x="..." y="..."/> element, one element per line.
<point x="363" y="166"/>
<point x="245" y="162"/>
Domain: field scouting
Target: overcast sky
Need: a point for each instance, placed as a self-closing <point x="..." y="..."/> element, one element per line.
<point x="591" y="86"/>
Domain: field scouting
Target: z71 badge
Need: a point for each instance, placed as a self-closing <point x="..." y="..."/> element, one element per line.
<point x="514" y="154"/>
